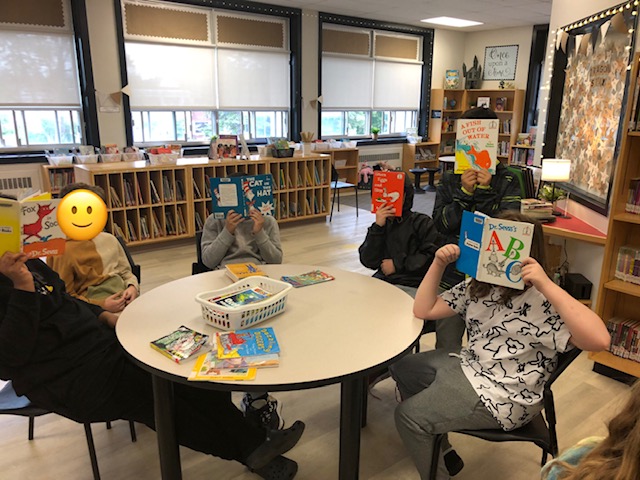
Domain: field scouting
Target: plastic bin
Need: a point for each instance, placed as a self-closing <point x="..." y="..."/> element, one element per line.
<point x="234" y="318"/>
<point x="110" y="157"/>
<point x="163" y="158"/>
<point x="86" y="158"/>
<point x="59" y="160"/>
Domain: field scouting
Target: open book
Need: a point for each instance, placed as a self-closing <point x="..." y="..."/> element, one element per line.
<point x="492" y="249"/>
<point x="30" y="225"/>
<point x="242" y="194"/>
<point x="476" y="145"/>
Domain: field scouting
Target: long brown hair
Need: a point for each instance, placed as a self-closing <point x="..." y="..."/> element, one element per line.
<point x="481" y="289"/>
<point x="618" y="456"/>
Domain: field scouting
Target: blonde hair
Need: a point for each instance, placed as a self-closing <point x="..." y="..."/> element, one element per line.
<point x="617" y="457"/>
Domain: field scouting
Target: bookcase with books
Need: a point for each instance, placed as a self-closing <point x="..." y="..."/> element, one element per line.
<point x="508" y="104"/>
<point x="54" y="177"/>
<point x="345" y="160"/>
<point x="618" y="302"/>
<point x="420" y="155"/>
<point x="145" y="204"/>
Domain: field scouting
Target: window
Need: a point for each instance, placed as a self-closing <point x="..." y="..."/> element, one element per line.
<point x="40" y="102"/>
<point x="214" y="73"/>
<point x="370" y="78"/>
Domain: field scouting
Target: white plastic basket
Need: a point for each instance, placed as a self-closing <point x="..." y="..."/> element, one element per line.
<point x="59" y="160"/>
<point x="110" y="157"/>
<point x="234" y="318"/>
<point x="86" y="159"/>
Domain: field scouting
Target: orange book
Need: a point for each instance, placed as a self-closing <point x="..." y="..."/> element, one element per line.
<point x="387" y="188"/>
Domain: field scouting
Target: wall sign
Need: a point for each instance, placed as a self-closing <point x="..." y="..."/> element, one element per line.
<point x="500" y="62"/>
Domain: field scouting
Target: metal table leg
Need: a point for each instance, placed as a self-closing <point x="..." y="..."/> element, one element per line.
<point x="350" y="419"/>
<point x="166" y="429"/>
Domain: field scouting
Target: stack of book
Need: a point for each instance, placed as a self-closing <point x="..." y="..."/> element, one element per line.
<point x="537" y="209"/>
<point x="180" y="344"/>
<point x="633" y="198"/>
<point x="236" y="355"/>
<point x="628" y="264"/>
<point x="238" y="271"/>
<point x="624" y="337"/>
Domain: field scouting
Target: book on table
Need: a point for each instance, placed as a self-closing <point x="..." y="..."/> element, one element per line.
<point x="476" y="145"/>
<point x="492" y="249"/>
<point x="206" y="369"/>
<point x="30" y="225"/>
<point x="308" y="278"/>
<point x="251" y="342"/>
<point x="242" y="194"/>
<point x="238" y="271"/>
<point x="180" y="344"/>
<point x="387" y="189"/>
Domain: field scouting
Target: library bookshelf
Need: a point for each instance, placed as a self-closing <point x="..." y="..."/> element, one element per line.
<point x="616" y="297"/>
<point x="55" y="177"/>
<point x="153" y="203"/>
<point x="421" y="154"/>
<point x="345" y="161"/>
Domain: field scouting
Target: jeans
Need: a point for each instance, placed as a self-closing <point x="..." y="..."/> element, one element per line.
<point x="436" y="398"/>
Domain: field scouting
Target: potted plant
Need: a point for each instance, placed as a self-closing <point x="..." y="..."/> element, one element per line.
<point x="212" y="154"/>
<point x="374" y="133"/>
<point x="551" y="194"/>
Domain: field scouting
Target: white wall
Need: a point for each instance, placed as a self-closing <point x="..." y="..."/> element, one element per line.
<point x="309" y="71"/>
<point x="448" y="54"/>
<point x="475" y="43"/>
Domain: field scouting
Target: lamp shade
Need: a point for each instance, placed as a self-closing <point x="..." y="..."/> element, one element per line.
<point x="555" y="170"/>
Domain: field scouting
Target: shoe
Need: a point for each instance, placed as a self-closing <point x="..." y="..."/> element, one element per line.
<point x="453" y="462"/>
<point x="261" y="411"/>
<point x="280" y="468"/>
<point x="277" y="443"/>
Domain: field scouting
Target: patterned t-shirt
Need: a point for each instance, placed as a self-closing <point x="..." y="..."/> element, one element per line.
<point x="512" y="349"/>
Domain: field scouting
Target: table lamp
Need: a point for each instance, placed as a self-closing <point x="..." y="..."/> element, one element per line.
<point x="555" y="170"/>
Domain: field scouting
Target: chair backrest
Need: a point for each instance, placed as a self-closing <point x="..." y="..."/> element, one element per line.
<point x="334" y="174"/>
<point x="198" y="266"/>
<point x="135" y="268"/>
<point x="516" y="172"/>
<point x="564" y="360"/>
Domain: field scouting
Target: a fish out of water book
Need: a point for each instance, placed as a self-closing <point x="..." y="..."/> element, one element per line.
<point x="476" y="144"/>
<point x="387" y="189"/>
<point x="242" y="194"/>
<point x="492" y="249"/>
<point x="31" y="226"/>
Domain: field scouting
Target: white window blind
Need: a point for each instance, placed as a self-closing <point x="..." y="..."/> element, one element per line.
<point x="178" y="76"/>
<point x="253" y="79"/>
<point x="38" y="69"/>
<point x="347" y="83"/>
<point x="396" y="86"/>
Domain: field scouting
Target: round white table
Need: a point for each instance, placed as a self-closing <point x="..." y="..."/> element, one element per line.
<point x="332" y="332"/>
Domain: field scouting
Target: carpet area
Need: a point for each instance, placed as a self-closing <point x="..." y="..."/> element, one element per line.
<point x="422" y="203"/>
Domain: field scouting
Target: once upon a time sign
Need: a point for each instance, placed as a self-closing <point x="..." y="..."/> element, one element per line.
<point x="500" y="62"/>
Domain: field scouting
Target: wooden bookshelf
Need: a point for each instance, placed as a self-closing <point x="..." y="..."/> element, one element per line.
<point x="345" y="161"/>
<point x="55" y="177"/>
<point x="617" y="298"/>
<point x="154" y="203"/>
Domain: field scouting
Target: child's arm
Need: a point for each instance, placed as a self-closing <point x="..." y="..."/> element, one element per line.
<point x="588" y="331"/>
<point x="428" y="305"/>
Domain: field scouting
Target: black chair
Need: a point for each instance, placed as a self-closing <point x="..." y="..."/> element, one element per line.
<point x="431" y="187"/>
<point x="198" y="266"/>
<point x="336" y="186"/>
<point x="538" y="431"/>
<point x="135" y="268"/>
<point x="12" y="404"/>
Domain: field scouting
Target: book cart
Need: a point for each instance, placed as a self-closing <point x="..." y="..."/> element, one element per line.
<point x="154" y="203"/>
<point x="617" y="298"/>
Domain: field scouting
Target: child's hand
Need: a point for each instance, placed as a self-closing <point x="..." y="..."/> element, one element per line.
<point x="447" y="254"/>
<point x="483" y="178"/>
<point x="115" y="303"/>
<point x="534" y="274"/>
<point x="130" y="294"/>
<point x="232" y="222"/>
<point x="469" y="179"/>
<point x="387" y="267"/>
<point x="258" y="220"/>
<point x="12" y="265"/>
<point x="384" y="212"/>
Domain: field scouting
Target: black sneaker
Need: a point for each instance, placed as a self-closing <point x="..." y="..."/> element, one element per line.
<point x="261" y="411"/>
<point x="276" y="443"/>
<point x="280" y="468"/>
<point x="453" y="462"/>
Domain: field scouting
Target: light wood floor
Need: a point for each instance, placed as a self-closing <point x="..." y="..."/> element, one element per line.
<point x="584" y="401"/>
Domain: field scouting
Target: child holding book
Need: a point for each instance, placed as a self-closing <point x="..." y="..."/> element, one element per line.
<point x="498" y="379"/>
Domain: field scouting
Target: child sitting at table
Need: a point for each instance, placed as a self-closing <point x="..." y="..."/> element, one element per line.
<point x="497" y="381"/>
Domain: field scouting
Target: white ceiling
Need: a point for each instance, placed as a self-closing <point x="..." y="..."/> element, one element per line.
<point x="494" y="14"/>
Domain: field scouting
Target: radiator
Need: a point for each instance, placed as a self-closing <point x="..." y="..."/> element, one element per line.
<point x="15" y="179"/>
<point x="392" y="154"/>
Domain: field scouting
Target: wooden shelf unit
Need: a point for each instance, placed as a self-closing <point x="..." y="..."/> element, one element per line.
<point x="347" y="156"/>
<point x="521" y="155"/>
<point x="177" y="198"/>
<point x="55" y="177"/>
<point x="617" y="298"/>
<point x="510" y="118"/>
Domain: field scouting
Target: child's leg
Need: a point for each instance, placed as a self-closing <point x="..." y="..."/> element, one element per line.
<point x="447" y="402"/>
<point x="449" y="333"/>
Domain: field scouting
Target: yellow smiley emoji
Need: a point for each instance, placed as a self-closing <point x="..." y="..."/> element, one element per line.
<point x="82" y="215"/>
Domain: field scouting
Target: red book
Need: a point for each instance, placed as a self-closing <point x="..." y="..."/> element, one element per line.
<point x="387" y="189"/>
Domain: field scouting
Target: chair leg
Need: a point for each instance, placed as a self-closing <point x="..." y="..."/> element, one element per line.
<point x="356" y="188"/>
<point x="132" y="428"/>
<point x="435" y="456"/>
<point x="92" y="451"/>
<point x="333" y="203"/>
<point x="544" y="458"/>
<point x="31" y="426"/>
<point x="338" y="198"/>
<point x="108" y="425"/>
<point x="365" y="402"/>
